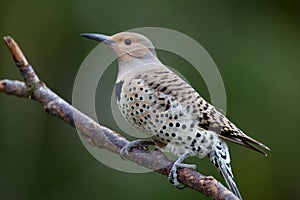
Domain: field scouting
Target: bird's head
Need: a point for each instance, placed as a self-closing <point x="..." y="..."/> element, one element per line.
<point x="126" y="45"/>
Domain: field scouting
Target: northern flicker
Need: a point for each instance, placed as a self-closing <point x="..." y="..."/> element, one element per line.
<point x="155" y="100"/>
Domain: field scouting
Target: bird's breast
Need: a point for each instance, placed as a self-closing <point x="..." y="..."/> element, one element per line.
<point x="163" y="106"/>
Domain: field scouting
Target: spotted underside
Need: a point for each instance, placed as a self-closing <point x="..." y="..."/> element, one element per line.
<point x="164" y="106"/>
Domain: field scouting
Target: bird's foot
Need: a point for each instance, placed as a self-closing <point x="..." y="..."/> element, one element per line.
<point x="143" y="144"/>
<point x="179" y="164"/>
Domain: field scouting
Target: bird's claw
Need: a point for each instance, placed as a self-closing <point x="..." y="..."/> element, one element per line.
<point x="124" y="152"/>
<point x="173" y="173"/>
<point x="178" y="164"/>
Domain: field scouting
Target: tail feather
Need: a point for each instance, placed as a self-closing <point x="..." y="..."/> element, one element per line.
<point x="248" y="142"/>
<point x="245" y="143"/>
<point x="221" y="159"/>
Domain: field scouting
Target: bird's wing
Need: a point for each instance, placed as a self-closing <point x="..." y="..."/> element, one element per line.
<point x="175" y="96"/>
<point x="229" y="131"/>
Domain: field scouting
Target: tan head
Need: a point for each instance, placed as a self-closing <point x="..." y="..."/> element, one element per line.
<point x="126" y="45"/>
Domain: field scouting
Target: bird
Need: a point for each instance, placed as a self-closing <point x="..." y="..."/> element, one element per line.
<point x="159" y="103"/>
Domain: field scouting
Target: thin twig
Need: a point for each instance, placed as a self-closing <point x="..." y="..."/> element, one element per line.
<point x="97" y="135"/>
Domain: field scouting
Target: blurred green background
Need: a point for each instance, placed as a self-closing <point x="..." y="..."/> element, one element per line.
<point x="255" y="45"/>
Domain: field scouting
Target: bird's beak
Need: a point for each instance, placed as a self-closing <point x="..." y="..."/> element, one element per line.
<point x="99" y="37"/>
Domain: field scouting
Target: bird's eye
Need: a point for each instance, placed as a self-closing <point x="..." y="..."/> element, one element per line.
<point x="128" y="41"/>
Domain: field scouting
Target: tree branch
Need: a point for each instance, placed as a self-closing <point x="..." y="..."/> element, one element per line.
<point x="97" y="135"/>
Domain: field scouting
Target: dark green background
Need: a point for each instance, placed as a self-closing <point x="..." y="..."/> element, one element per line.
<point x="254" y="44"/>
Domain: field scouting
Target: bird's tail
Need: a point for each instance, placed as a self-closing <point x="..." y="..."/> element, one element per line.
<point x="221" y="159"/>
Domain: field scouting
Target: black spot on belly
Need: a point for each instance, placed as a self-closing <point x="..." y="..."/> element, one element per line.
<point x="119" y="89"/>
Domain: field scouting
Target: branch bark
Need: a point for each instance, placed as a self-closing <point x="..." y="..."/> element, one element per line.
<point x="97" y="135"/>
